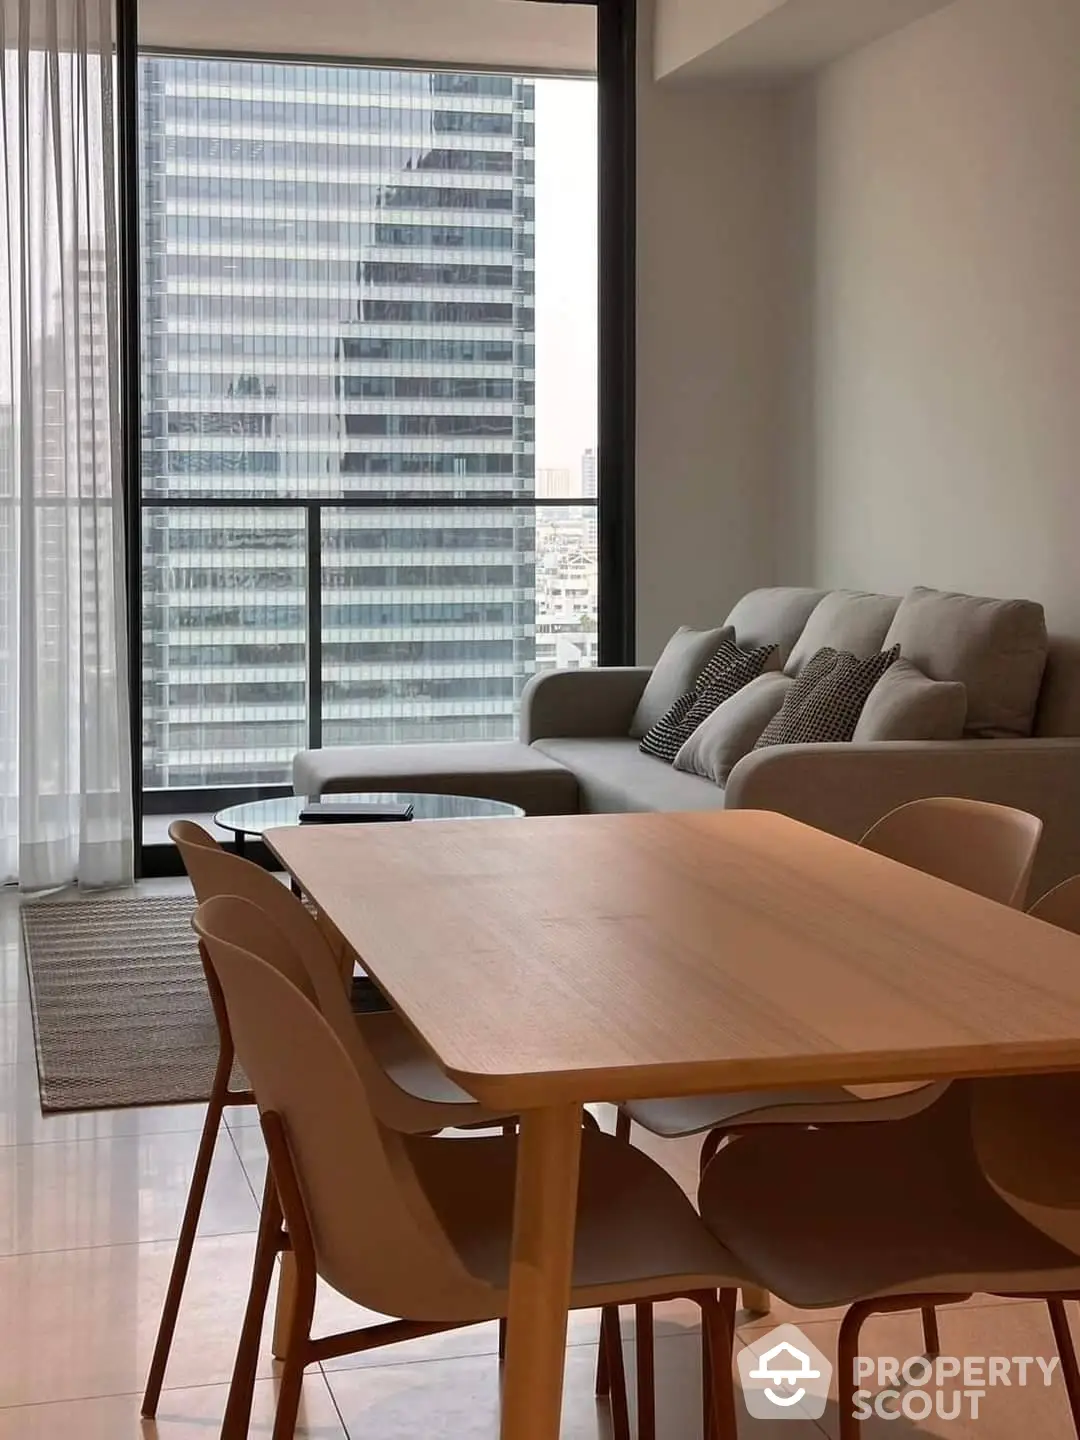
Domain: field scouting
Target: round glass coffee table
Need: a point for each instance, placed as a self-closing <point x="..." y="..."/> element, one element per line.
<point x="258" y="816"/>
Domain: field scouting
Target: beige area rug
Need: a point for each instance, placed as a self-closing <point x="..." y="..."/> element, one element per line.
<point x="121" y="1011"/>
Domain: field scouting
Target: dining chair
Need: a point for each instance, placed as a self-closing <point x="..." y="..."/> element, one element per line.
<point x="989" y="849"/>
<point x="1020" y="1126"/>
<point x="417" y="1226"/>
<point x="409" y="1091"/>
<point x="885" y="1217"/>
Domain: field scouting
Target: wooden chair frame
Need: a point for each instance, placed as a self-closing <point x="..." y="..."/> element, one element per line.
<point x="284" y="1228"/>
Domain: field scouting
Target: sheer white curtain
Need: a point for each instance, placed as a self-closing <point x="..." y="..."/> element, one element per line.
<point x="65" y="803"/>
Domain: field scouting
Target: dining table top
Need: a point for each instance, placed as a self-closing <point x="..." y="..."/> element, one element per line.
<point x="610" y="957"/>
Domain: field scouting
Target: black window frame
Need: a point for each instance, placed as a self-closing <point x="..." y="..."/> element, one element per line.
<point x="616" y="22"/>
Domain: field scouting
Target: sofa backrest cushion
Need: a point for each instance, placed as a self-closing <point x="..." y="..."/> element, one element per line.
<point x="684" y="658"/>
<point x="1059" y="699"/>
<point x="906" y="705"/>
<point x="995" y="648"/>
<point x="849" y="620"/>
<point x="774" y="616"/>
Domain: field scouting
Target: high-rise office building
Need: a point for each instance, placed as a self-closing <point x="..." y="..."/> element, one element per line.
<point x="337" y="286"/>
<point x="589" y="463"/>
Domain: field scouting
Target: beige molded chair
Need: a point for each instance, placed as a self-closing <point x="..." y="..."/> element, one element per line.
<point x="883" y="1218"/>
<point x="989" y="849"/>
<point x="420" y="1227"/>
<point x="1022" y="1127"/>
<point x="1021" y="1124"/>
<point x="407" y="1089"/>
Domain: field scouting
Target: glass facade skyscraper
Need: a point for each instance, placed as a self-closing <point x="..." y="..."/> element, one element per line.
<point x="337" y="305"/>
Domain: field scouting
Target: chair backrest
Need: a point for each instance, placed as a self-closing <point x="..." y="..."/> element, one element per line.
<point x="1024" y="1126"/>
<point x="376" y="1237"/>
<point x="214" y="871"/>
<point x="989" y="849"/>
<point x="1060" y="906"/>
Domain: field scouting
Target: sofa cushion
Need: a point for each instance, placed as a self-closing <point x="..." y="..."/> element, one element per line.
<point x="774" y="616"/>
<point x="731" y="731"/>
<point x="684" y="657"/>
<point x="725" y="674"/>
<point x="824" y="703"/>
<point x="905" y="705"/>
<point x="849" y="620"/>
<point x="493" y="770"/>
<point x="613" y="776"/>
<point x="995" y="648"/>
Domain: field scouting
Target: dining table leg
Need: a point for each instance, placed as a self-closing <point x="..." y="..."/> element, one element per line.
<point x="545" y="1214"/>
<point x="285" y="1305"/>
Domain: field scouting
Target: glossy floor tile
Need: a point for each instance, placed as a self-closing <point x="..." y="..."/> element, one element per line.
<point x="79" y="1323"/>
<point x="116" y="1191"/>
<point x="183" y="1415"/>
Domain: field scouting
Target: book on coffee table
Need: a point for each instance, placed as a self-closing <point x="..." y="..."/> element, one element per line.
<point x="330" y="812"/>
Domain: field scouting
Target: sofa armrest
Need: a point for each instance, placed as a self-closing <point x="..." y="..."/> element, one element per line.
<point x="595" y="701"/>
<point x="845" y="788"/>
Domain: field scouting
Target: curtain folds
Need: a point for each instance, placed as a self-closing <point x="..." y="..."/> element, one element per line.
<point x="65" y="755"/>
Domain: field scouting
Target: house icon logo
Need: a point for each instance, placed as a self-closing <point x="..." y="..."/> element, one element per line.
<point x="784" y="1376"/>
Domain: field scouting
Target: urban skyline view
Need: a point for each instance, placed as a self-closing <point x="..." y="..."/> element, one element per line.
<point x="347" y="296"/>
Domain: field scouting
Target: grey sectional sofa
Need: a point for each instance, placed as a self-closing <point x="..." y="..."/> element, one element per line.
<point x="576" y="753"/>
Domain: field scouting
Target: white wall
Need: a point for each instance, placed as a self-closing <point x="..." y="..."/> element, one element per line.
<point x="711" y="303"/>
<point x="943" y="441"/>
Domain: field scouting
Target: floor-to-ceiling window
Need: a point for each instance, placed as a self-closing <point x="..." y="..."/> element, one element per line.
<point x="369" y="439"/>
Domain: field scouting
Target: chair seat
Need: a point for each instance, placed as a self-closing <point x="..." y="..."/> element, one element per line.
<point x="843" y="1213"/>
<point x="637" y="1232"/>
<point x="413" y="1069"/>
<point x="694" y="1114"/>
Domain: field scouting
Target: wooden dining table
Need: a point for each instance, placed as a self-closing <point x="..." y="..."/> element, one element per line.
<point x="560" y="960"/>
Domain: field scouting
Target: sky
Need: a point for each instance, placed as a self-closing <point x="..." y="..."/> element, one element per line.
<point x="566" y="274"/>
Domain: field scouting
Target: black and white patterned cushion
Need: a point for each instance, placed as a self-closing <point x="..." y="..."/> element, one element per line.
<point x="726" y="673"/>
<point x="825" y="702"/>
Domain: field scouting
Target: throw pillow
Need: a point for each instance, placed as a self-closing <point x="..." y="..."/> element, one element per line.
<point x="729" y="733"/>
<point x="826" y="700"/>
<point x="906" y="705"/>
<point x="685" y="656"/>
<point x="727" y="672"/>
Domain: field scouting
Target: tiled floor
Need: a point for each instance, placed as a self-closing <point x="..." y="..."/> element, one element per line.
<point x="89" y="1208"/>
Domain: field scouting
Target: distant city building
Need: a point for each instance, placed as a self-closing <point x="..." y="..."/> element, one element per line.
<point x="337" y="302"/>
<point x="555" y="485"/>
<point x="589" y="463"/>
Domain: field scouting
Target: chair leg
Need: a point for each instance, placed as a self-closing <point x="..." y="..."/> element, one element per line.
<point x="186" y="1241"/>
<point x="238" y="1408"/>
<point x="717" y="1385"/>
<point x="931" y="1339"/>
<point x="622" y="1126"/>
<point x="646" y="1371"/>
<point x="847" y="1351"/>
<point x="296" y="1360"/>
<point x="1070" y="1372"/>
<point x="611" y="1343"/>
<point x="603" y="1375"/>
<point x="502" y="1340"/>
<point x="298" y="1350"/>
<point x="709" y="1147"/>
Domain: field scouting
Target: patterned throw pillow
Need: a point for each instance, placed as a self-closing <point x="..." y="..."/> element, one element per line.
<point x="825" y="702"/>
<point x="725" y="674"/>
